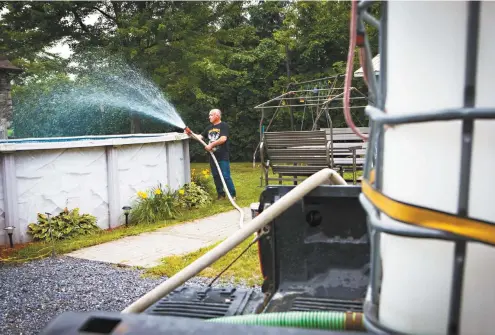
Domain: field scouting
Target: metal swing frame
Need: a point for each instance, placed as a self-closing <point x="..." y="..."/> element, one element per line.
<point x="320" y="99"/>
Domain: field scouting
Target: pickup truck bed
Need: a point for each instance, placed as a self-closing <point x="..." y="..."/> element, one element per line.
<point x="316" y="255"/>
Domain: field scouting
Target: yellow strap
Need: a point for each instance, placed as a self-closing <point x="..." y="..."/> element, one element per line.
<point x="372" y="176"/>
<point x="482" y="231"/>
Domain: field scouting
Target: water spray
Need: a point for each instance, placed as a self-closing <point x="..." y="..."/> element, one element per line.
<point x="197" y="138"/>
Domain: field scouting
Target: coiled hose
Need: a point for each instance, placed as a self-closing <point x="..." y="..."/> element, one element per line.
<point x="327" y="320"/>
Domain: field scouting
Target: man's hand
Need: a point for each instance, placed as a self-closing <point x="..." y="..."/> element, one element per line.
<point x="209" y="147"/>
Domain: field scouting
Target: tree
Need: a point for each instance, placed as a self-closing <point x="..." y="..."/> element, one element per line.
<point x="230" y="55"/>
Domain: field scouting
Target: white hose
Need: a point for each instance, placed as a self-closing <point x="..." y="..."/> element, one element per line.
<point x="241" y="219"/>
<point x="235" y="239"/>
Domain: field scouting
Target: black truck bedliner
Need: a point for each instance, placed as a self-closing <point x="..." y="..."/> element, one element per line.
<point x="316" y="254"/>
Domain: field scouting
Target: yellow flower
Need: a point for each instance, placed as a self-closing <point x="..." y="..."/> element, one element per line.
<point x="181" y="192"/>
<point x="142" y="195"/>
<point x="158" y="191"/>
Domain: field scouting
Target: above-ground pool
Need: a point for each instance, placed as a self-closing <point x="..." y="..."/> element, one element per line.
<point x="98" y="174"/>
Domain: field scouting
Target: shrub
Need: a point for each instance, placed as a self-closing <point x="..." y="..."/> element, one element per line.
<point x="203" y="180"/>
<point x="193" y="196"/>
<point x="65" y="225"/>
<point x="155" y="204"/>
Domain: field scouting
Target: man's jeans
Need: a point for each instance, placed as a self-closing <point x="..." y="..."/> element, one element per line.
<point x="225" y="167"/>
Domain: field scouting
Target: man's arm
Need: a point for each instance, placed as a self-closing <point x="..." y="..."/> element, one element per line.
<point x="224" y="133"/>
<point x="204" y="134"/>
<point x="200" y="136"/>
<point x="218" y="142"/>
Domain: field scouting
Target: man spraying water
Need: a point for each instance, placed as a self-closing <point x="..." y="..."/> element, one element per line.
<point x="217" y="134"/>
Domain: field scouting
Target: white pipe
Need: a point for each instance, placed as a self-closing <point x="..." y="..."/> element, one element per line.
<point x="241" y="219"/>
<point x="235" y="239"/>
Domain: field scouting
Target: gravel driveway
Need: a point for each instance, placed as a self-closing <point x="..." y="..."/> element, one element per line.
<point x="32" y="294"/>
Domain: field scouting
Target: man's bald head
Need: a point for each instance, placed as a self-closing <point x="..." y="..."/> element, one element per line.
<point x="216" y="111"/>
<point x="215" y="116"/>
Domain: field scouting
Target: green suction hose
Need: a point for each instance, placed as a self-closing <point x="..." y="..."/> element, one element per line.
<point x="329" y="320"/>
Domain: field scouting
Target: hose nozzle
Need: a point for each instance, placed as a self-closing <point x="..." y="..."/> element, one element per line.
<point x="188" y="131"/>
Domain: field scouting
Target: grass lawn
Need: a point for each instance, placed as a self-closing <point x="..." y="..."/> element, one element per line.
<point x="246" y="181"/>
<point x="245" y="270"/>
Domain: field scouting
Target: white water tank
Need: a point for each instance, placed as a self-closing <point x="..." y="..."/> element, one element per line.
<point x="426" y="65"/>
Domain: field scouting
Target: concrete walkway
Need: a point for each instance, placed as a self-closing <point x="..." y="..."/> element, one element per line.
<point x="147" y="249"/>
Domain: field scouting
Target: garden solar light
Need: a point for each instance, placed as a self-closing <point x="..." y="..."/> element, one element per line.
<point x="10" y="231"/>
<point x="127" y="210"/>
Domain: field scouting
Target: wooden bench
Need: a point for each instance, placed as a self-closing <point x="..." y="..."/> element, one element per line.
<point x="294" y="154"/>
<point x="347" y="149"/>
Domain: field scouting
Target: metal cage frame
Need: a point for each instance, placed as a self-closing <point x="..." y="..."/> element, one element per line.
<point x="373" y="167"/>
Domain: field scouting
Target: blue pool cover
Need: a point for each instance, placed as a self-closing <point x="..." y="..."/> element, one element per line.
<point x="72" y="139"/>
